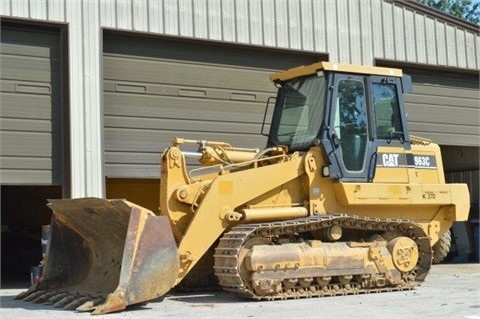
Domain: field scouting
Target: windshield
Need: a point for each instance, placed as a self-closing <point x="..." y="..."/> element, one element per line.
<point x="298" y="113"/>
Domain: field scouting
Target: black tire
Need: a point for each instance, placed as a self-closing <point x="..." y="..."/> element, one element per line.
<point x="442" y="247"/>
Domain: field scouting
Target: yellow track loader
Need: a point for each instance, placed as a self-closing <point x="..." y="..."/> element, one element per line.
<point x="342" y="200"/>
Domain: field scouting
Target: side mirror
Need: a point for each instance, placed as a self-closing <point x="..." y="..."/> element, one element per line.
<point x="407" y="86"/>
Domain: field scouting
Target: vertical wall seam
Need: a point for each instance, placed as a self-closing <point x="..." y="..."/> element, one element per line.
<point x="178" y="28"/>
<point x="164" y="25"/>
<point x="447" y="57"/>
<point x="275" y="26"/>
<point x="475" y="49"/>
<point x="414" y="37"/>
<point x="99" y="17"/>
<point x="249" y="22"/>
<point x="116" y="13"/>
<point x="372" y="32"/>
<point x="395" y="36"/>
<point x="349" y="28"/>
<point x="101" y="110"/>
<point x="289" y="44"/>
<point x="148" y="15"/>
<point x="222" y="21"/>
<point x="382" y="29"/>
<point x="456" y="50"/>
<point x="300" y="12"/>
<point x="133" y="22"/>
<point x="84" y="118"/>
<point x="47" y="17"/>
<point x="314" y="31"/>
<point x="360" y="22"/>
<point x="262" y="20"/>
<point x="325" y="25"/>
<point x="337" y="32"/>
<point x="425" y="34"/>
<point x="405" y="50"/>
<point x="194" y="30"/>
<point x="207" y="16"/>
<point x="435" y="34"/>
<point x="235" y="27"/>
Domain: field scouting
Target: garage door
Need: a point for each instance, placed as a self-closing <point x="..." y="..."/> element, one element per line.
<point x="157" y="89"/>
<point x="444" y="107"/>
<point x="30" y="106"/>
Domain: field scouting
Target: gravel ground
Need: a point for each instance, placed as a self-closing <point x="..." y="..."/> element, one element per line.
<point x="450" y="291"/>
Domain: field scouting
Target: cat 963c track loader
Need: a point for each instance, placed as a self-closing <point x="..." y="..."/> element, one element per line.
<point x="341" y="201"/>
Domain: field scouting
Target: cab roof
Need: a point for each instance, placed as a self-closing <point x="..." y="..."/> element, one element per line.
<point x="335" y="67"/>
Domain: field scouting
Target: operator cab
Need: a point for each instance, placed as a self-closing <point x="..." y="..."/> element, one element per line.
<point x="349" y="111"/>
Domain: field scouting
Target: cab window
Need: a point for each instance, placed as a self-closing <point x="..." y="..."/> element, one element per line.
<point x="387" y="113"/>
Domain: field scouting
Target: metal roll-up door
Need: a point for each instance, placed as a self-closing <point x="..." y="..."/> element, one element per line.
<point x="444" y="107"/>
<point x="156" y="89"/>
<point x="30" y="105"/>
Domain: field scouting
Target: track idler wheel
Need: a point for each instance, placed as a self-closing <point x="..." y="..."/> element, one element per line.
<point x="404" y="253"/>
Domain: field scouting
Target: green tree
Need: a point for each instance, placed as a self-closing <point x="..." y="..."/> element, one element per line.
<point x="464" y="9"/>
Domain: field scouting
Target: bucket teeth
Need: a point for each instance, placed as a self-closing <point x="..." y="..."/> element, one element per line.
<point x="23" y="295"/>
<point x="90" y="305"/>
<point x="44" y="297"/>
<point x="65" y="301"/>
<point x="34" y="295"/>
<point x="77" y="302"/>
<point x="56" y="297"/>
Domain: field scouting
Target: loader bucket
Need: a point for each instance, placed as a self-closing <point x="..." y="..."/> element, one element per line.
<point x="104" y="255"/>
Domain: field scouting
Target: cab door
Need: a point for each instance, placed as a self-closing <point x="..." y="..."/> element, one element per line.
<point x="347" y="134"/>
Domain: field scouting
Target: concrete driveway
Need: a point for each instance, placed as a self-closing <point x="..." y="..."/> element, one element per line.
<point x="450" y="291"/>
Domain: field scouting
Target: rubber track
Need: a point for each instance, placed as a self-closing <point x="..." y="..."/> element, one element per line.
<point x="227" y="253"/>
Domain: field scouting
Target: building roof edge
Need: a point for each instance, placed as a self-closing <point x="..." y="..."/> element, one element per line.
<point x="438" y="14"/>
